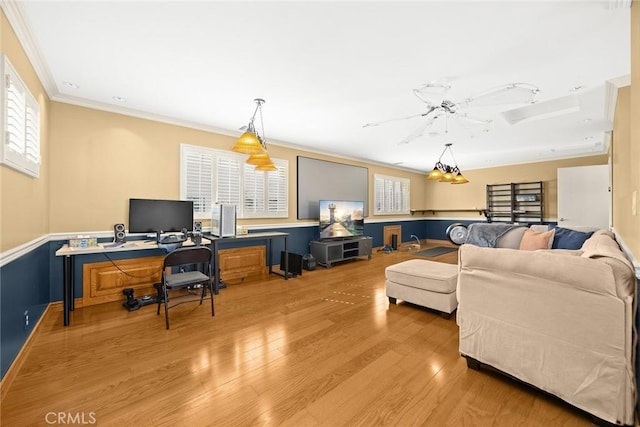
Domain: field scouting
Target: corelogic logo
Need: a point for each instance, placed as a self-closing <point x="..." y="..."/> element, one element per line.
<point x="70" y="418"/>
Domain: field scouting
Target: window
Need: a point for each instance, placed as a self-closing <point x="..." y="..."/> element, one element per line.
<point x="391" y="195"/>
<point x="20" y="147"/>
<point x="208" y="176"/>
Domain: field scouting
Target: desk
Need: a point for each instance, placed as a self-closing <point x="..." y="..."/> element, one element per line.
<point x="69" y="255"/>
<point x="267" y="236"/>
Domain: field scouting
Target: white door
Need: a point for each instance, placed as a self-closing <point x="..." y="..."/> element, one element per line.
<point x="584" y="197"/>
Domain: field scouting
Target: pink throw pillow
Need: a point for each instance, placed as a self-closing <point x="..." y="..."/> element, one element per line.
<point x="532" y="240"/>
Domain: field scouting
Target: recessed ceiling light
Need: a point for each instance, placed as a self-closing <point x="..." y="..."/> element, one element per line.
<point x="119" y="99"/>
<point x="576" y="88"/>
<point x="71" y="85"/>
<point x="588" y="138"/>
<point x="586" y="120"/>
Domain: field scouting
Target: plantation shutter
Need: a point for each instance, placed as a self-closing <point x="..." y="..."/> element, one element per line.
<point x="210" y="176"/>
<point x="277" y="194"/>
<point x="391" y="195"/>
<point x="228" y="181"/>
<point x="198" y="179"/>
<point x="254" y="184"/>
<point x="21" y="125"/>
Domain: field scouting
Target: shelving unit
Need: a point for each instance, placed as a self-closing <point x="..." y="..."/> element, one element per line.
<point x="327" y="252"/>
<point x="516" y="202"/>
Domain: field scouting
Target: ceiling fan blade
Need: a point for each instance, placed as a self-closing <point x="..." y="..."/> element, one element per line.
<point x="472" y="124"/>
<point x="398" y="119"/>
<point x="431" y="90"/>
<point x="512" y="93"/>
<point x="419" y="131"/>
<point x="541" y="110"/>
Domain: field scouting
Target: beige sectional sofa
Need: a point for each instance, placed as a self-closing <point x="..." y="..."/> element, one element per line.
<point x="560" y="320"/>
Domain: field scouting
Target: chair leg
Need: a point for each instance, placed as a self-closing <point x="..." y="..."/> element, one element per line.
<point x="158" y="287"/>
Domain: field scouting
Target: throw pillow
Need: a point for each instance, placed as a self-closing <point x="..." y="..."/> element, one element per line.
<point x="569" y="239"/>
<point x="532" y="240"/>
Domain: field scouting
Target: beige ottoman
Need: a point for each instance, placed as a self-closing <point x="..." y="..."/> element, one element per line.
<point x="426" y="283"/>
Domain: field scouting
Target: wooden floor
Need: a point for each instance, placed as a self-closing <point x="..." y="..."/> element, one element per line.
<point x="322" y="349"/>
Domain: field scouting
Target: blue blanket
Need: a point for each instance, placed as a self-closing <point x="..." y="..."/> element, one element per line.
<point x="485" y="234"/>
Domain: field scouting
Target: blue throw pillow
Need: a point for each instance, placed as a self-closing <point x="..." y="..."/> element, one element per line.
<point x="569" y="239"/>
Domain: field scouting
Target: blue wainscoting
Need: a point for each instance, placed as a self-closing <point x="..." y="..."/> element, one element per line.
<point x="24" y="286"/>
<point x="32" y="281"/>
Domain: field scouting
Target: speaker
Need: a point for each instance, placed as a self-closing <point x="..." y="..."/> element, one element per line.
<point x="295" y="263"/>
<point x="119" y="235"/>
<point x="197" y="227"/>
<point x="394" y="242"/>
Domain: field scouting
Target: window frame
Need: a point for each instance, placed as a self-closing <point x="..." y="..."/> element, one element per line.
<point x="395" y="206"/>
<point x="27" y="157"/>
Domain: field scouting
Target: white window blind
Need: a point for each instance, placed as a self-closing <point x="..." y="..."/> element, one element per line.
<point x="197" y="166"/>
<point x="208" y="176"/>
<point x="20" y="124"/>
<point x="391" y="195"/>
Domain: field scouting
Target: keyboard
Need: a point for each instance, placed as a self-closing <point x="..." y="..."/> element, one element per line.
<point x="171" y="238"/>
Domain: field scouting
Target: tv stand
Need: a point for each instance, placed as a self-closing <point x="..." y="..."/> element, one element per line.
<point x="327" y="252"/>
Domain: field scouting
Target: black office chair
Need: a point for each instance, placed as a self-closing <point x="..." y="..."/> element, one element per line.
<point x="189" y="261"/>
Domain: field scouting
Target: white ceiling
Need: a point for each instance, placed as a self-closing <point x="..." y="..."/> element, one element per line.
<point x="326" y="68"/>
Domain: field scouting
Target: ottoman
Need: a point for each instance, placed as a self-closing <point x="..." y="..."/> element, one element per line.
<point x="425" y="283"/>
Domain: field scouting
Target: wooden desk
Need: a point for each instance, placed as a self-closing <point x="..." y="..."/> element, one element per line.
<point x="251" y="237"/>
<point x="68" y="256"/>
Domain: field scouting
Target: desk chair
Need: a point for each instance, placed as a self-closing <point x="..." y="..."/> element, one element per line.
<point x="200" y="256"/>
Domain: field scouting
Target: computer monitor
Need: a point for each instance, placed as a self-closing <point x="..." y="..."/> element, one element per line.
<point x="150" y="215"/>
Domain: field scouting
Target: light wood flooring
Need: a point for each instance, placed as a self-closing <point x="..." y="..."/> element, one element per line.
<point x="325" y="349"/>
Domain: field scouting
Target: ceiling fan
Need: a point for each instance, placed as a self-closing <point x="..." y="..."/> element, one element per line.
<point x="433" y="93"/>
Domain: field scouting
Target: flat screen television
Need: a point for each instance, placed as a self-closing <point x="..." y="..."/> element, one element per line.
<point x="341" y="218"/>
<point x="149" y="215"/>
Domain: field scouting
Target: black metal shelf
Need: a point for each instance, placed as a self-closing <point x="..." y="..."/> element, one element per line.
<point x="503" y="202"/>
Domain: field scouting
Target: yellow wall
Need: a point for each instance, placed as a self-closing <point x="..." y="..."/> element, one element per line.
<point x="24" y="201"/>
<point x="473" y="194"/>
<point x="626" y="150"/>
<point x="102" y="159"/>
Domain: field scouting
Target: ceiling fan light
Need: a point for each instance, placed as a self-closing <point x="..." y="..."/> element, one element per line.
<point x="248" y="143"/>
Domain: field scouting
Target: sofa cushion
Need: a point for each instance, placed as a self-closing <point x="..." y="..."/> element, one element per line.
<point x="565" y="238"/>
<point x="511" y="239"/>
<point x="532" y="240"/>
<point x="602" y="246"/>
<point x="422" y="274"/>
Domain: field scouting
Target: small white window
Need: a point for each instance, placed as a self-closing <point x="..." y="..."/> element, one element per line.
<point x="391" y="195"/>
<point x="20" y="148"/>
<point x="208" y="176"/>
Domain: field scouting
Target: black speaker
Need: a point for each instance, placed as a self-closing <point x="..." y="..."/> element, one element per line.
<point x="295" y="263"/>
<point x="394" y="242"/>
<point x="197" y="227"/>
<point x="119" y="235"/>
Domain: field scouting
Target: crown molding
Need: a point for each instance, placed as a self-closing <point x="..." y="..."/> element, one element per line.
<point x="16" y="16"/>
<point x="611" y="94"/>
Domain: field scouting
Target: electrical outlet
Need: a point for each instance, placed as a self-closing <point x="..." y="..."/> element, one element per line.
<point x="26" y="319"/>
